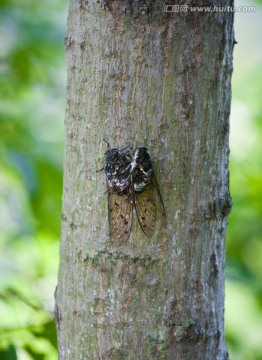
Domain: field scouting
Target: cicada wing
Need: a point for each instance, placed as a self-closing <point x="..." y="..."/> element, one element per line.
<point x="120" y="217"/>
<point x="145" y="208"/>
<point x="149" y="208"/>
<point x="160" y="199"/>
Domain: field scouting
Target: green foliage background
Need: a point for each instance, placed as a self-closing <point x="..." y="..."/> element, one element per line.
<point x="32" y="106"/>
<point x="244" y="235"/>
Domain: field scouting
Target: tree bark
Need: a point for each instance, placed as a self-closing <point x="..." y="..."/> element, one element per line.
<point x="140" y="76"/>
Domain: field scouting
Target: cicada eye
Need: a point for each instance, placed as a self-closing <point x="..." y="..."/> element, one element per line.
<point x="115" y="152"/>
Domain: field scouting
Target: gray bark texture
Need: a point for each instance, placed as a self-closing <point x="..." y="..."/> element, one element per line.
<point x="140" y="76"/>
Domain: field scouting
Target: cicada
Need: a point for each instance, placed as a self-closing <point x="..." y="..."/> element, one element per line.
<point x="132" y="188"/>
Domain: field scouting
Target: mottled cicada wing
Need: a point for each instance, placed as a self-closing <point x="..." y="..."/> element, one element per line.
<point x="149" y="208"/>
<point x="120" y="216"/>
<point x="161" y="206"/>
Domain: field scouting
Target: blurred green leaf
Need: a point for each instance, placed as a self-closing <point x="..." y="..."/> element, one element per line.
<point x="243" y="314"/>
<point x="32" y="92"/>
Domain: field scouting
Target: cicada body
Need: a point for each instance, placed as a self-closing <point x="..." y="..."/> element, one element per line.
<point x="132" y="187"/>
<point x="117" y="163"/>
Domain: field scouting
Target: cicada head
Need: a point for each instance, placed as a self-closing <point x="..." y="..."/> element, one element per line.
<point x="143" y="160"/>
<point x="113" y="162"/>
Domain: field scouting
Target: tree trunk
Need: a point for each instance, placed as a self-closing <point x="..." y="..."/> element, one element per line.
<point x="141" y="76"/>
